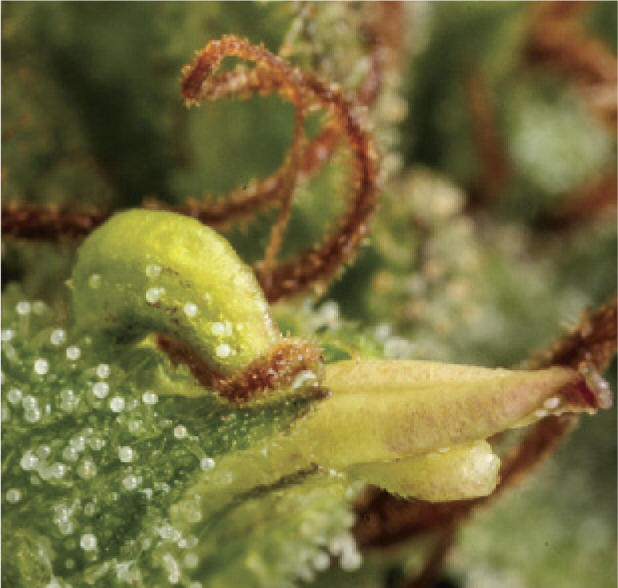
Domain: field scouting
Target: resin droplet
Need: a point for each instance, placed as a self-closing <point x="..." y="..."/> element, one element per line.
<point x="217" y="329"/>
<point x="552" y="403"/>
<point x="28" y="461"/>
<point x="149" y="398"/>
<point x="180" y="432"/>
<point x="130" y="482"/>
<point x="125" y="454"/>
<point x="13" y="495"/>
<point x="152" y="295"/>
<point x="117" y="404"/>
<point x="6" y="334"/>
<point x="100" y="389"/>
<point x="23" y="308"/>
<point x="14" y="395"/>
<point x="223" y="350"/>
<point x="74" y="352"/>
<point x="41" y="366"/>
<point x="58" y="337"/>
<point x="88" y="542"/>
<point x="103" y="371"/>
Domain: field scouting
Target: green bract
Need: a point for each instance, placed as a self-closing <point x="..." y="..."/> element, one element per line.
<point x="153" y="271"/>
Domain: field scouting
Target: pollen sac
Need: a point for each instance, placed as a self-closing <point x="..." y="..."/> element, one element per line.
<point x="417" y="428"/>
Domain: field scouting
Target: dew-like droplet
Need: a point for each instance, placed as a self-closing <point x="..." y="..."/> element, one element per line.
<point x="103" y="371"/>
<point x="41" y="366"/>
<point x="223" y="350"/>
<point x="78" y="442"/>
<point x="153" y="294"/>
<point x="88" y="542"/>
<point x="149" y="398"/>
<point x="28" y="461"/>
<point x="130" y="482"/>
<point x="552" y="403"/>
<point x="207" y="463"/>
<point x="73" y="352"/>
<point x="217" y="329"/>
<point x="58" y="337"/>
<point x="117" y="404"/>
<point x="180" y="432"/>
<point x="23" y="308"/>
<point x="191" y="309"/>
<point x="125" y="454"/>
<point x="7" y="334"/>
<point x="14" y="395"/>
<point x="100" y="389"/>
<point x="32" y="416"/>
<point x="13" y="495"/>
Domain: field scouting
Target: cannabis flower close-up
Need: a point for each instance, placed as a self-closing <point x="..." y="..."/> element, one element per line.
<point x="383" y="357"/>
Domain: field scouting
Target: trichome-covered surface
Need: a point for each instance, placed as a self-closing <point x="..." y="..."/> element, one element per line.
<point x="493" y="233"/>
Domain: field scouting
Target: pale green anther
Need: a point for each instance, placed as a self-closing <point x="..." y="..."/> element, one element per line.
<point x="417" y="428"/>
<point x="457" y="473"/>
<point x="159" y="272"/>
